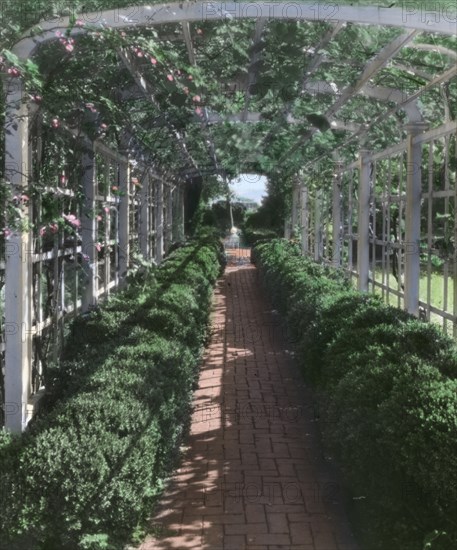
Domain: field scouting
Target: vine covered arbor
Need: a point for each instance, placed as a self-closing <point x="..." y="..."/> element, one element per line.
<point x="116" y="119"/>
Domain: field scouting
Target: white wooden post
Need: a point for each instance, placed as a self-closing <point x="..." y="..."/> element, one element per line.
<point x="318" y="236"/>
<point x="413" y="218"/>
<point x="287" y="228"/>
<point x="363" y="224"/>
<point x="176" y="225"/>
<point x="89" y="227"/>
<point x="336" y="219"/>
<point x="58" y="240"/>
<point x="18" y="266"/>
<point x="168" y="216"/>
<point x="183" y="213"/>
<point x="180" y="233"/>
<point x="454" y="274"/>
<point x="304" y="218"/>
<point x="124" y="221"/>
<point x="107" y="244"/>
<point x="294" y="217"/>
<point x="151" y="210"/>
<point x="158" y="220"/>
<point x="144" y="228"/>
<point x="165" y="217"/>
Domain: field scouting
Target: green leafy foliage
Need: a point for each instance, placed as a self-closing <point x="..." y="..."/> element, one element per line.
<point x="389" y="383"/>
<point x="88" y="470"/>
<point x="232" y="76"/>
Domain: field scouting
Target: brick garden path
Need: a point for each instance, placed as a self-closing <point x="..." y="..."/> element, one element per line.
<point x="253" y="476"/>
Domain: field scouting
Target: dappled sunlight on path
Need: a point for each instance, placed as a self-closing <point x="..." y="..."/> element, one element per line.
<point x="253" y="476"/>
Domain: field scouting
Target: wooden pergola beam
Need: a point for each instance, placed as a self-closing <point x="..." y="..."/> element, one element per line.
<point x="409" y="17"/>
<point x="149" y="93"/>
<point x="315" y="63"/>
<point x="371" y="69"/>
<point x="251" y="79"/>
<point x="374" y="66"/>
<point x="189" y="44"/>
<point x="204" y="123"/>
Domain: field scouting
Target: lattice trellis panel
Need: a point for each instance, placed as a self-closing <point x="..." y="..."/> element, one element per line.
<point x="87" y="227"/>
<point x="333" y="233"/>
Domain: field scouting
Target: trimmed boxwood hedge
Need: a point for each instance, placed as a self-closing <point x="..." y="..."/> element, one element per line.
<point x="389" y="382"/>
<point x="253" y="235"/>
<point x="86" y="473"/>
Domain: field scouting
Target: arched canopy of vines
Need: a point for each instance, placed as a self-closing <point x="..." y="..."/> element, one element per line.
<point x="207" y="88"/>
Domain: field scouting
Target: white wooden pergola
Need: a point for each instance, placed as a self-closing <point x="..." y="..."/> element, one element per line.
<point x="18" y="265"/>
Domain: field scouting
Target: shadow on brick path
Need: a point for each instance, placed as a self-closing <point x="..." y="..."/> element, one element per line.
<point x="253" y="476"/>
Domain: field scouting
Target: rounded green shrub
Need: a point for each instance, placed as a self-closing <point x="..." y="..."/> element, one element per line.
<point x="388" y="382"/>
<point x="87" y="472"/>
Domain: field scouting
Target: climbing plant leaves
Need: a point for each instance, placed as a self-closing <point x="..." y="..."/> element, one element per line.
<point x="232" y="75"/>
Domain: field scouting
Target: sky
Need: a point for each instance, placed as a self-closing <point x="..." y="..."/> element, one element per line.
<point x="251" y="186"/>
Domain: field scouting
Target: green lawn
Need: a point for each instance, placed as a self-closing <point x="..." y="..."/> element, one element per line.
<point x="436" y="294"/>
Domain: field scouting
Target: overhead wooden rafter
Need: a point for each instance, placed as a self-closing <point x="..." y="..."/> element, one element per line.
<point x="375" y="65"/>
<point x="314" y="64"/>
<point x="158" y="14"/>
<point x="253" y="117"/>
<point x="381" y="93"/>
<point x="203" y="120"/>
<point x="434" y="48"/>
<point x="149" y="94"/>
<point x="253" y="68"/>
<point x="443" y="78"/>
<point x="150" y="16"/>
<point x="371" y="69"/>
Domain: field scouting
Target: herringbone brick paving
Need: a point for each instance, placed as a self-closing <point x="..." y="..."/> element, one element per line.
<point x="253" y="476"/>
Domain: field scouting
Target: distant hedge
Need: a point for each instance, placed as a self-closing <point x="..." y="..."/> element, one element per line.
<point x="390" y="382"/>
<point x="87" y="473"/>
<point x="252" y="235"/>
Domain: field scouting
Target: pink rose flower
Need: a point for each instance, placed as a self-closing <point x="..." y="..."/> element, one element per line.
<point x="72" y="219"/>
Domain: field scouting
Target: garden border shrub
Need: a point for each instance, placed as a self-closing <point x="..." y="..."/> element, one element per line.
<point x="390" y="382"/>
<point x="86" y="474"/>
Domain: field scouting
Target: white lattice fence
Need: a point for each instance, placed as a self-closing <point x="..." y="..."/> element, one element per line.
<point x="388" y="219"/>
<point x="114" y="209"/>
